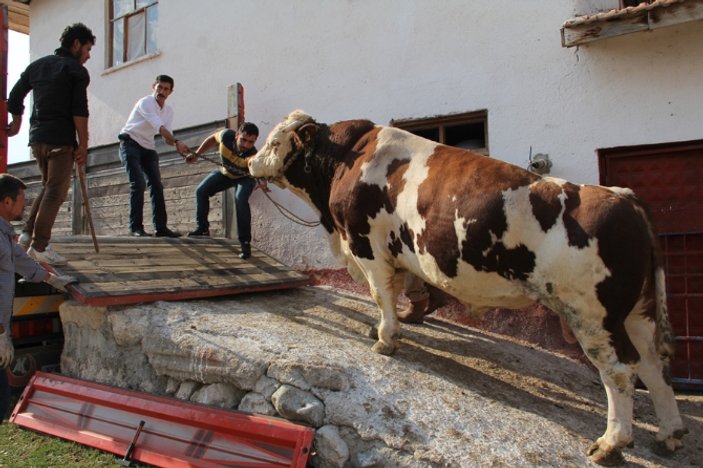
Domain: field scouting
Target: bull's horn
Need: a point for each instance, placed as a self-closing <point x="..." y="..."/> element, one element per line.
<point x="296" y="119"/>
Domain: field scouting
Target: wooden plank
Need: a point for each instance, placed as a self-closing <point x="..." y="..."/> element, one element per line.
<point x="589" y="32"/>
<point x="626" y="21"/>
<point x="676" y="14"/>
<point x="130" y="270"/>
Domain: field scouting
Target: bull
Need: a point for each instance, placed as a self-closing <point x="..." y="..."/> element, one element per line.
<point x="492" y="235"/>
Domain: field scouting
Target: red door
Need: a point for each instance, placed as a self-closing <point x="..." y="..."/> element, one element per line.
<point x="3" y="88"/>
<point x="669" y="178"/>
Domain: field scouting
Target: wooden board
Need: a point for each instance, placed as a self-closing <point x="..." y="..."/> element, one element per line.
<point x="129" y="270"/>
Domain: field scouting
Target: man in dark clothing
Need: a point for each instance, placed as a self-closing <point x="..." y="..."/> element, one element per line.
<point x="59" y="83"/>
<point x="234" y="148"/>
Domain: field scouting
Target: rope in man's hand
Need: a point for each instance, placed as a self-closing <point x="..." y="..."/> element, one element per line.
<point x="190" y="157"/>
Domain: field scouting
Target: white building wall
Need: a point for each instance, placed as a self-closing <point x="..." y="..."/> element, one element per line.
<point x="398" y="59"/>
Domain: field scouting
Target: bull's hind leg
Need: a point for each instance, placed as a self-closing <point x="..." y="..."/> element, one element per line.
<point x="619" y="387"/>
<point x="618" y="380"/>
<point x="654" y="373"/>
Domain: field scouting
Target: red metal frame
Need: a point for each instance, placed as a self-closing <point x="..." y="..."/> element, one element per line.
<point x="175" y="433"/>
<point x="3" y="87"/>
<point x="78" y="294"/>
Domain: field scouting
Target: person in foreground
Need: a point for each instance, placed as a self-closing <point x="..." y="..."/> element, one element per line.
<point x="59" y="84"/>
<point x="235" y="149"/>
<point x="13" y="259"/>
<point x="149" y="117"/>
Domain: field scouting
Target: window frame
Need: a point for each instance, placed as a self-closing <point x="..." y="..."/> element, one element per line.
<point x="442" y="122"/>
<point x="124" y="18"/>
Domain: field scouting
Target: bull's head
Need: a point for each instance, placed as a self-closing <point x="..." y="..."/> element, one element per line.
<point x="285" y="143"/>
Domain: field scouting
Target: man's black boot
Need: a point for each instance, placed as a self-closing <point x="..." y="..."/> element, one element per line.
<point x="246" y="250"/>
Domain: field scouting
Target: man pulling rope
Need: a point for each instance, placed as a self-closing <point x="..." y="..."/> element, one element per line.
<point x="234" y="149"/>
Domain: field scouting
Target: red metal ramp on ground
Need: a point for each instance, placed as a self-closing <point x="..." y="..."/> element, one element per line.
<point x="174" y="434"/>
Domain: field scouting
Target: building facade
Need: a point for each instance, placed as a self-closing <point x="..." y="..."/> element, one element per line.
<point x="499" y="64"/>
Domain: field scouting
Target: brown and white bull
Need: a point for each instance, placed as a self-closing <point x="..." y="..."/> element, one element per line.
<point x="492" y="235"/>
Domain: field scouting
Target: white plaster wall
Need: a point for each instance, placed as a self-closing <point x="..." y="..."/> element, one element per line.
<point x="393" y="59"/>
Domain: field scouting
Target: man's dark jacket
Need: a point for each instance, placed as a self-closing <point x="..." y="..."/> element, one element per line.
<point x="60" y="91"/>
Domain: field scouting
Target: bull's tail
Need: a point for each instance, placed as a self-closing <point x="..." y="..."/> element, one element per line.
<point x="664" y="335"/>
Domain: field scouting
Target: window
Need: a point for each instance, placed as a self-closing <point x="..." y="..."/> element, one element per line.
<point x="132" y="29"/>
<point x="632" y="3"/>
<point x="467" y="131"/>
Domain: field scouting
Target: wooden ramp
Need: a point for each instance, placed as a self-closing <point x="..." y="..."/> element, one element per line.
<point x="129" y="270"/>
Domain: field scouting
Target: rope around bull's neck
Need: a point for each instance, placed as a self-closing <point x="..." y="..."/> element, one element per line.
<point x="281" y="209"/>
<point x="287" y="213"/>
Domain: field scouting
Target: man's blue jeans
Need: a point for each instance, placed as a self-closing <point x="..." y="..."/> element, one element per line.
<point x="216" y="182"/>
<point x="140" y="163"/>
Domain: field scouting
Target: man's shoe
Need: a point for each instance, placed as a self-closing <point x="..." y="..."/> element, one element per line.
<point x="24" y="240"/>
<point x="47" y="256"/>
<point x="199" y="233"/>
<point x="140" y="233"/>
<point x="166" y="232"/>
<point x="246" y="250"/>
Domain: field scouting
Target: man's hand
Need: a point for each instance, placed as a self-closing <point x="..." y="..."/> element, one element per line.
<point x="7" y="351"/>
<point x="60" y="281"/>
<point x="14" y="127"/>
<point x="182" y="148"/>
<point x="80" y="154"/>
<point x="191" y="157"/>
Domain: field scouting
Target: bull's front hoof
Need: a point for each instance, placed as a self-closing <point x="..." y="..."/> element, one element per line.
<point x="604" y="455"/>
<point x="382" y="348"/>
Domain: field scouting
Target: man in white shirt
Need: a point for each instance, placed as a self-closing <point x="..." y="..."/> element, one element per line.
<point x="149" y="117"/>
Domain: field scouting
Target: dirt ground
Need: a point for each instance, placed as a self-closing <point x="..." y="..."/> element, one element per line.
<point x="538" y="327"/>
<point x="452" y="395"/>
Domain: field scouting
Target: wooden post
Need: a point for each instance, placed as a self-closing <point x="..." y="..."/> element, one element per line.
<point x="235" y="117"/>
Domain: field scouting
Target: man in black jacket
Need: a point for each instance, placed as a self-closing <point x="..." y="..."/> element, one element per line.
<point x="59" y="83"/>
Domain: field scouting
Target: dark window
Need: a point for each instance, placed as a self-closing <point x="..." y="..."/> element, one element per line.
<point x="133" y="26"/>
<point x="467" y="131"/>
<point x="631" y="3"/>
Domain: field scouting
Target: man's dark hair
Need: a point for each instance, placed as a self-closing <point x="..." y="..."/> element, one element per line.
<point x="76" y="31"/>
<point x="165" y="79"/>
<point x="249" y="128"/>
<point x="10" y="186"/>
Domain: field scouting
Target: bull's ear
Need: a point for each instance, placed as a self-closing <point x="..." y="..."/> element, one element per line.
<point x="307" y="132"/>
